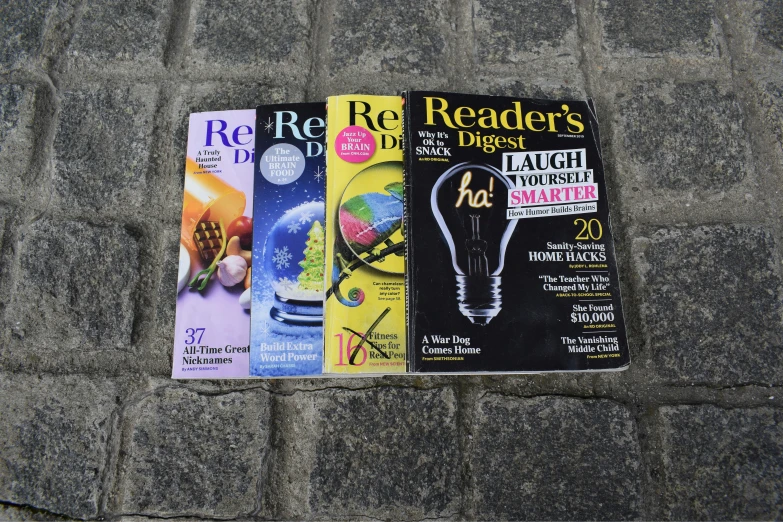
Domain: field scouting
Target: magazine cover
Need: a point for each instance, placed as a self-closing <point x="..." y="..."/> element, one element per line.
<point x="364" y="331"/>
<point x="212" y="336"/>
<point x="511" y="263"/>
<point x="288" y="255"/>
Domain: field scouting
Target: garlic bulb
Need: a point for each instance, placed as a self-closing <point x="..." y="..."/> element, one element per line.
<point x="231" y="270"/>
<point x="244" y="299"/>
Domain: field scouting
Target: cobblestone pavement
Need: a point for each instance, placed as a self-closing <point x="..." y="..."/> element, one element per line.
<point x="93" y="104"/>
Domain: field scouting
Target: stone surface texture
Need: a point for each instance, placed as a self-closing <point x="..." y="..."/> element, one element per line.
<point x="73" y="301"/>
<point x="712" y="304"/>
<point x="94" y="105"/>
<point x="55" y="450"/>
<point x="685" y="136"/>
<point x="772" y="23"/>
<point x="773" y="108"/>
<point x="196" y="454"/>
<point x="17" y="109"/>
<point x="639" y="27"/>
<point x="22" y="31"/>
<point x="552" y="458"/>
<point x="102" y="147"/>
<point x="236" y="33"/>
<point x="394" y="449"/>
<point x="499" y="39"/>
<point x="722" y="464"/>
<point x="401" y="37"/>
<point x="122" y="31"/>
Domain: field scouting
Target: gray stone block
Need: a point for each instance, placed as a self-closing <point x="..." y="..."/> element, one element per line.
<point x="722" y="464"/>
<point x="192" y="454"/>
<point x="7" y="222"/>
<point x="5" y="212"/>
<point x="102" y="148"/>
<point x="685" y="136"/>
<point x="53" y="441"/>
<point x="711" y="304"/>
<point x="354" y="79"/>
<point x="22" y="30"/>
<point x="388" y="455"/>
<point x="21" y="514"/>
<point x="166" y="310"/>
<point x="17" y="110"/>
<point x="772" y="108"/>
<point x="235" y="32"/>
<point x="72" y="304"/>
<point x="510" y="32"/>
<point x="771" y="26"/>
<point x="121" y="31"/>
<point x="10" y="105"/>
<point x="527" y="89"/>
<point x="399" y="37"/>
<point x="380" y="453"/>
<point x="555" y="458"/>
<point x="659" y="26"/>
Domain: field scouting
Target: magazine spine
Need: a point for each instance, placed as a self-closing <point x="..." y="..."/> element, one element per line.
<point x="407" y="223"/>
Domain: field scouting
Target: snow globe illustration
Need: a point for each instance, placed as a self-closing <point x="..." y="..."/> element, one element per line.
<point x="294" y="265"/>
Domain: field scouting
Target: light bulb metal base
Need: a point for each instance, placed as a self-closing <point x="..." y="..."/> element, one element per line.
<point x="479" y="298"/>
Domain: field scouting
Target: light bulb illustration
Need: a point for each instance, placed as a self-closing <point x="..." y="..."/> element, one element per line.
<point x="469" y="203"/>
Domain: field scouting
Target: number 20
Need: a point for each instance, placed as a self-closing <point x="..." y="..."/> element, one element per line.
<point x="587" y="229"/>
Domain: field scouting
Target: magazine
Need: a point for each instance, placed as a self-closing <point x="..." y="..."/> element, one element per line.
<point x="212" y="332"/>
<point x="510" y="257"/>
<point x="288" y="251"/>
<point x="364" y="328"/>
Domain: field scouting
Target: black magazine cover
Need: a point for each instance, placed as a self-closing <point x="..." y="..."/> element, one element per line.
<point x="510" y="257"/>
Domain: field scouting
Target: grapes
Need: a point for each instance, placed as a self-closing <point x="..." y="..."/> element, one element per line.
<point x="242" y="227"/>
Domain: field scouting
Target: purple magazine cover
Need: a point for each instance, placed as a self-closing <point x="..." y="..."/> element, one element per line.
<point x="212" y="335"/>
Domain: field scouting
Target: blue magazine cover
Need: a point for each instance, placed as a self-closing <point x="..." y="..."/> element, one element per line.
<point x="286" y="333"/>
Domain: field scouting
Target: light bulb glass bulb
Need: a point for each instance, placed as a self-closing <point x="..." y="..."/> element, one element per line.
<point x="469" y="203"/>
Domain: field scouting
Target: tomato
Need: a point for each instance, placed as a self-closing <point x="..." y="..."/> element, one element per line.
<point x="242" y="227"/>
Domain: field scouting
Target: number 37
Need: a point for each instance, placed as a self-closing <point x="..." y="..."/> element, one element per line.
<point x="192" y="332"/>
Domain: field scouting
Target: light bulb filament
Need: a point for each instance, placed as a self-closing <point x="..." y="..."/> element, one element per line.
<point x="477" y="250"/>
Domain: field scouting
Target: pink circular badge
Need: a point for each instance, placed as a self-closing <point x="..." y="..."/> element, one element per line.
<point x="354" y="144"/>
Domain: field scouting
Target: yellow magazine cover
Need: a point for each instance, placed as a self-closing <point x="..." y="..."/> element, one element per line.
<point x="364" y="326"/>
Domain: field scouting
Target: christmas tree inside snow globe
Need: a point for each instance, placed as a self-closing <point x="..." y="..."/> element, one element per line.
<point x="294" y="265"/>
